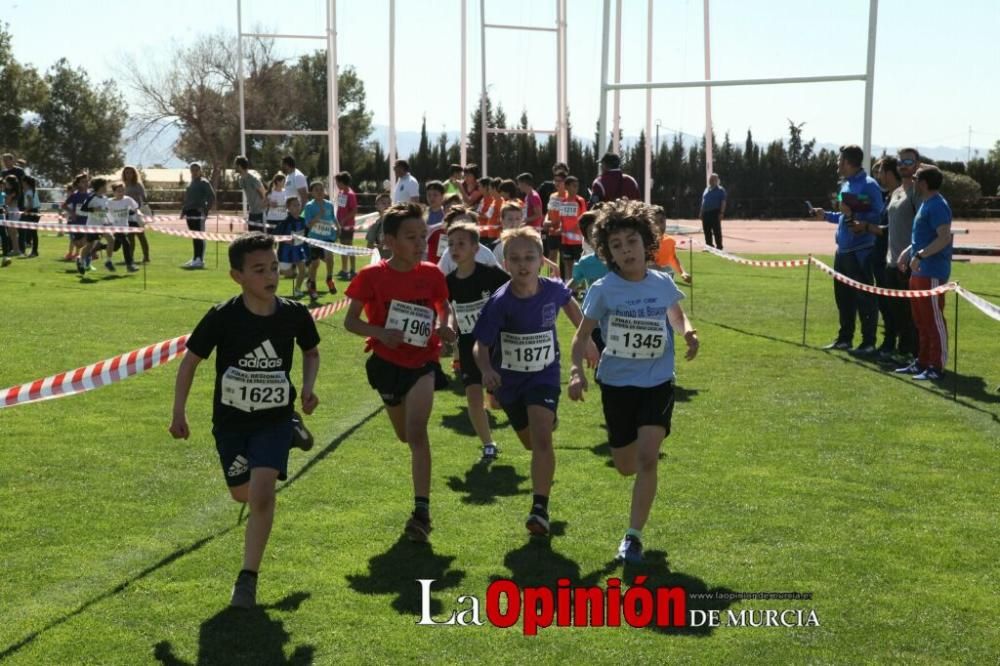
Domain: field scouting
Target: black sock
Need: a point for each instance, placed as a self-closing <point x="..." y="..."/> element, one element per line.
<point x="541" y="502"/>
<point x="422" y="507"/>
<point x="248" y="572"/>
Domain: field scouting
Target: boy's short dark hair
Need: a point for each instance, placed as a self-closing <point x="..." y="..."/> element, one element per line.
<point x="468" y="228"/>
<point x="622" y="215"/>
<point x="560" y="166"/>
<point x="453" y="200"/>
<point x="852" y="154"/>
<point x="526" y="177"/>
<point x="316" y="183"/>
<point x="486" y="182"/>
<point x="79" y="177"/>
<point x="98" y="183"/>
<point x="434" y="186"/>
<point x="473" y="169"/>
<point x="909" y="150"/>
<point x="888" y="164"/>
<point x="572" y="180"/>
<point x="396" y="215"/>
<point x="611" y="160"/>
<point x="344" y="178"/>
<point x="455" y="168"/>
<point x="288" y="160"/>
<point x="497" y="181"/>
<point x="508" y="187"/>
<point x="288" y="200"/>
<point x="114" y="186"/>
<point x="931" y="175"/>
<point x="457" y="212"/>
<point x="245" y="244"/>
<point x="242" y="162"/>
<point x="587" y="221"/>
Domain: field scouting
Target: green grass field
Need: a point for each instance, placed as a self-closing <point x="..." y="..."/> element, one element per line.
<point x="789" y="469"/>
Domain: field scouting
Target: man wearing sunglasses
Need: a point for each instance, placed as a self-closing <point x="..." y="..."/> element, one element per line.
<point x="904" y="202"/>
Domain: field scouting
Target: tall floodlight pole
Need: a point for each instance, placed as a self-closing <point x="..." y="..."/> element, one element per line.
<point x="461" y="106"/>
<point x="870" y="81"/>
<point x="709" y="132"/>
<point x="483" y="120"/>
<point x="602" y="122"/>
<point x="239" y="75"/>
<point x="392" y="94"/>
<point x="616" y="113"/>
<point x="562" y="139"/>
<point x="332" y="93"/>
<point x="648" y="152"/>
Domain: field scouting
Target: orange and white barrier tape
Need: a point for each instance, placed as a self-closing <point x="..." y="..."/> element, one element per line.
<point x="881" y="291"/>
<point x="116" y="368"/>
<point x="73" y="228"/>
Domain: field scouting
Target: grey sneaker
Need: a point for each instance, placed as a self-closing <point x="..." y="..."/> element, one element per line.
<point x="630" y="550"/>
<point x="244" y="591"/>
<point x="538" y="521"/>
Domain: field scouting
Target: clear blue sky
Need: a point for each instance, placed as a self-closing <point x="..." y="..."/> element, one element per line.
<point x="937" y="66"/>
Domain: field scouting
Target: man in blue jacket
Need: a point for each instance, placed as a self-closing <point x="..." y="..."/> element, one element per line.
<point x="860" y="200"/>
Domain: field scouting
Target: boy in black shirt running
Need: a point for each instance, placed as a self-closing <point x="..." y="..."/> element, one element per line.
<point x="469" y="287"/>
<point x="254" y="398"/>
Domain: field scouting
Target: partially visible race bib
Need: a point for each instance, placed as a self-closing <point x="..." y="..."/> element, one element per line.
<point x="630" y="337"/>
<point x="322" y="228"/>
<point x="569" y="209"/>
<point x="251" y="391"/>
<point x="468" y="314"/>
<point x="442" y="244"/>
<point x="119" y="216"/>
<point x="528" y="352"/>
<point x="98" y="217"/>
<point x="415" y="321"/>
<point x="341" y="201"/>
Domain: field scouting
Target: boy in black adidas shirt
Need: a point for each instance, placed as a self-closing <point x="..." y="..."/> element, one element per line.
<point x="469" y="287"/>
<point x="254" y="398"/>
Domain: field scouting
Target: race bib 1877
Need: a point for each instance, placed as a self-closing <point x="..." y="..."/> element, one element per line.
<point x="527" y="352"/>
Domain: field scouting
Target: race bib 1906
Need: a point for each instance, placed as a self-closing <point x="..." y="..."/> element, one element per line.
<point x="529" y="352"/>
<point x="251" y="391"/>
<point x="468" y="314"/>
<point x="630" y="337"/>
<point x="415" y="321"/>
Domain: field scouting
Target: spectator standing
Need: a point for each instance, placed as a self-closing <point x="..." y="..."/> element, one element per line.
<point x="612" y="184"/>
<point x="254" y="192"/>
<point x="199" y="198"/>
<point x="296" y="184"/>
<point x="407" y="187"/>
<point x="135" y="190"/>
<point x="713" y="209"/>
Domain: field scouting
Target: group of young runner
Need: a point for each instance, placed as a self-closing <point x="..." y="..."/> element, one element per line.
<point x="503" y="321"/>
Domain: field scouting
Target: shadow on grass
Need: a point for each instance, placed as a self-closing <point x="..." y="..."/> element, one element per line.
<point x="396" y="571"/>
<point x="183" y="550"/>
<point x="964" y="386"/>
<point x="459" y="422"/>
<point x="483" y="484"/>
<point x="238" y="636"/>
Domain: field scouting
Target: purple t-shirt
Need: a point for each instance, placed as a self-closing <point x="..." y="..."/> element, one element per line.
<point x="526" y="321"/>
<point x="73" y="202"/>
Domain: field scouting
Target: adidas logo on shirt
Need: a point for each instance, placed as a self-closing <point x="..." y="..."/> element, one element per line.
<point x="262" y="357"/>
<point x="240" y="466"/>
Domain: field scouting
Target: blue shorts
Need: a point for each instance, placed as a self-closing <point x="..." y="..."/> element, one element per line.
<point x="542" y="396"/>
<point x="240" y="452"/>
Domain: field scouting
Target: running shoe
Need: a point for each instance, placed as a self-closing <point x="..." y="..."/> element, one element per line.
<point x="313" y="294"/>
<point x="630" y="550"/>
<point x="490" y="453"/>
<point x="538" y="521"/>
<point x="244" y="591"/>
<point x="6" y="262"/>
<point x="929" y="374"/>
<point x="417" y="529"/>
<point x="197" y="263"/>
<point x="80" y="268"/>
<point x="838" y="345"/>
<point x="912" y="369"/>
<point x="342" y="275"/>
<point x="132" y="268"/>
<point x="109" y="265"/>
<point x="301" y="437"/>
<point x="330" y="286"/>
<point x="297" y="294"/>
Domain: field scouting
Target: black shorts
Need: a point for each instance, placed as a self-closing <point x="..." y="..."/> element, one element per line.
<point x="93" y="238"/>
<point x="392" y="381"/>
<point x="598" y="339"/>
<point x="470" y="371"/>
<point x="345" y="236"/>
<point x="542" y="396"/>
<point x="552" y="243"/>
<point x="316" y="253"/>
<point x="240" y="452"/>
<point x="627" y="408"/>
<point x="573" y="252"/>
<point x="255" y="222"/>
<point x="73" y="236"/>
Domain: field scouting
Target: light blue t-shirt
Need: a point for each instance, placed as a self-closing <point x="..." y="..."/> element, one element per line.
<point x="326" y="228"/>
<point x="589" y="270"/>
<point x="630" y="314"/>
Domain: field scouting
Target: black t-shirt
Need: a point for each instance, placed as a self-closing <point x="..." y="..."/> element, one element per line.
<point x="469" y="295"/>
<point x="13" y="171"/>
<point x="252" y="383"/>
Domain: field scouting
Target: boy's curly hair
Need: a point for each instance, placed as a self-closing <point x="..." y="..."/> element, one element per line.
<point x="621" y="215"/>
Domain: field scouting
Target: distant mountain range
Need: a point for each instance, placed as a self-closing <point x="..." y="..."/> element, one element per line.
<point x="160" y="151"/>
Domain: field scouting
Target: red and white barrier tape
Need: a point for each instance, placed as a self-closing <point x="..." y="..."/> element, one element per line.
<point x="989" y="309"/>
<point x="880" y="291"/>
<point x="116" y="368"/>
<point x="73" y="228"/>
<point x="781" y="263"/>
<point x="338" y="248"/>
<point x="204" y="235"/>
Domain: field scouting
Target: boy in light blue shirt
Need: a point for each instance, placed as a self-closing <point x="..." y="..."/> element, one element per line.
<point x="638" y="310"/>
<point x="322" y="225"/>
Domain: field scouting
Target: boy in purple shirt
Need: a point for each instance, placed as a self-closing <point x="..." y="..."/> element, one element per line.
<point x="517" y="351"/>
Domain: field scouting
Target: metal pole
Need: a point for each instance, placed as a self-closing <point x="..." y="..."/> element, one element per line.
<point x="243" y="117"/>
<point x="563" y="138"/>
<point x="805" y="310"/>
<point x="616" y="114"/>
<point x="392" y="94"/>
<point x="648" y="152"/>
<point x="461" y="104"/>
<point x="332" y="94"/>
<point x="709" y="134"/>
<point x="483" y="120"/>
<point x="691" y="269"/>
<point x="602" y="121"/>
<point x="870" y="81"/>
<point x="954" y="368"/>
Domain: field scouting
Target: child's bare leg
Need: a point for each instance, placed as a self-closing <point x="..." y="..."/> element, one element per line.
<point x="300" y="275"/>
<point x="328" y="259"/>
<point x="418" y="404"/>
<point x="641" y="458"/>
<point x="543" y="457"/>
<point x="477" y="413"/>
<point x="262" y="500"/>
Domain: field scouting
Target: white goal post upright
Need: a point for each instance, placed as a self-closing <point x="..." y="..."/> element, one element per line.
<point x="562" y="124"/>
<point x="332" y="132"/>
<point x="868" y="77"/>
